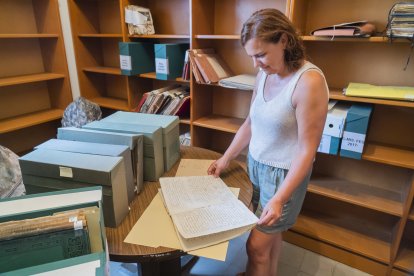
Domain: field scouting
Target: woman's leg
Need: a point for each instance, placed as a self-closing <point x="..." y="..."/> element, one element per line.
<point x="263" y="251"/>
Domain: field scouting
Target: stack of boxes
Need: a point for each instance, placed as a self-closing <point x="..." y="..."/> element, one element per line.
<point x="345" y="129"/>
<point x="117" y="153"/>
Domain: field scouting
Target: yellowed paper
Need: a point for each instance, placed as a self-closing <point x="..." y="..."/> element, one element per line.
<point x="155" y="228"/>
<point x="193" y="167"/>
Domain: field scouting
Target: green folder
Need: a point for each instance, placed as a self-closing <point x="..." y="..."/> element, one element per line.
<point x="169" y="60"/>
<point x="136" y="58"/>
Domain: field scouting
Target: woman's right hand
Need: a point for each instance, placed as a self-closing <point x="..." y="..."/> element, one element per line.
<point x="218" y="166"/>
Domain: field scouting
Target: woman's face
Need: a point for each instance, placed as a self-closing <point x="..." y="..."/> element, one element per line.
<point x="269" y="57"/>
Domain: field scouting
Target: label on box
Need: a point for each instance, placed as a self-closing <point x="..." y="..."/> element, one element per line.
<point x="353" y="141"/>
<point x="325" y="144"/>
<point x="161" y="66"/>
<point x="125" y="62"/>
<point x="128" y="16"/>
<point x="65" y="172"/>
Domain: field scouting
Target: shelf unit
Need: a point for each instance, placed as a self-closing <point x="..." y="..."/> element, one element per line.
<point x="98" y="27"/>
<point x="34" y="82"/>
<point x="358" y="211"/>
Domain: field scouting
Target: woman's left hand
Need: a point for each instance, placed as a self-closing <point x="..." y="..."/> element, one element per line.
<point x="271" y="213"/>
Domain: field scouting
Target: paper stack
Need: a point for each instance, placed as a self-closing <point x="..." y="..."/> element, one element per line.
<point x="243" y="82"/>
<point x="208" y="66"/>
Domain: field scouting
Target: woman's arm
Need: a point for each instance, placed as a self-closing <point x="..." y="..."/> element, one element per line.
<point x="240" y="141"/>
<point x="310" y="99"/>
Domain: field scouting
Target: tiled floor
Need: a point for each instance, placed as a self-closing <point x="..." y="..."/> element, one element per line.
<point x="294" y="261"/>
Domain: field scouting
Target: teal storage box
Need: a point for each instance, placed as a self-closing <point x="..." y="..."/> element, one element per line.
<point x="169" y="60"/>
<point x="136" y="58"/>
<point x="356" y="126"/>
<point x="50" y="170"/>
<point x="45" y="204"/>
<point x="153" y="156"/>
<point x="135" y="143"/>
<point x="97" y="149"/>
<point x="170" y="131"/>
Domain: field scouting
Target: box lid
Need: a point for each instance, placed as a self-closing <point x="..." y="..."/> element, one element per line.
<point x="83" y="147"/>
<point x="87" y="168"/>
<point x="96" y="136"/>
<point x="335" y="120"/>
<point x="148" y="131"/>
<point x="167" y="122"/>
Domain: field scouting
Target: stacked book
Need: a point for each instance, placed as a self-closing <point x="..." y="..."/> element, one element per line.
<point x="242" y="82"/>
<point x="208" y="66"/>
<point x="401" y="21"/>
<point x="170" y="100"/>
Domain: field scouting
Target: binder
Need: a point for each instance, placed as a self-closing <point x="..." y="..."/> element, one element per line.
<point x="169" y="60"/>
<point x="136" y="58"/>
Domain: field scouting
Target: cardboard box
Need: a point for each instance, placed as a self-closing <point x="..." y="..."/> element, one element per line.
<point x="169" y="60"/>
<point x="32" y="206"/>
<point x="136" y="58"/>
<point x="329" y="144"/>
<point x="356" y="127"/>
<point x="153" y="156"/>
<point x="50" y="170"/>
<point x="170" y="131"/>
<point x="135" y="142"/>
<point x="97" y="149"/>
<point x="334" y="128"/>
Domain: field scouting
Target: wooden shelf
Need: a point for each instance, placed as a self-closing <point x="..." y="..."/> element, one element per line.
<point x="336" y="94"/>
<point x="323" y="227"/>
<point x="111" y="103"/>
<point x="405" y="256"/>
<point x="152" y="75"/>
<point x="362" y="195"/>
<point x="103" y="70"/>
<point x="185" y="121"/>
<point x="218" y="122"/>
<point x="162" y="36"/>
<point x="389" y="155"/>
<point x="28" y="120"/>
<point x="30" y="78"/>
<point x="230" y="37"/>
<point x="376" y="39"/>
<point x="29" y="35"/>
<point x="100" y="36"/>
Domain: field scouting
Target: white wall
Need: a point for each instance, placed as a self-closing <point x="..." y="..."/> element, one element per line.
<point x="70" y="53"/>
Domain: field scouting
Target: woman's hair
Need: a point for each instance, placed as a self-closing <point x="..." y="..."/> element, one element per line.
<point x="269" y="25"/>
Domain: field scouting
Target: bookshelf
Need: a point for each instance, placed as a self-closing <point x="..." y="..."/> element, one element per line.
<point x="34" y="82"/>
<point x="363" y="213"/>
<point x="98" y="27"/>
<point x="360" y="212"/>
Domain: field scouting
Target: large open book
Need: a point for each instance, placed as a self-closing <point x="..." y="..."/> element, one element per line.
<point x="204" y="210"/>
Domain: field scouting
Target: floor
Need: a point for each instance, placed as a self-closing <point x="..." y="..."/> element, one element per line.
<point x="294" y="261"/>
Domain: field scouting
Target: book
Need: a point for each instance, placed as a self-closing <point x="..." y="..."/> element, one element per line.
<point x="352" y="29"/>
<point x="212" y="67"/>
<point x="204" y="211"/>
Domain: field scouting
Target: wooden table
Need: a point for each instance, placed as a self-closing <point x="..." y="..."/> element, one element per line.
<point x="162" y="260"/>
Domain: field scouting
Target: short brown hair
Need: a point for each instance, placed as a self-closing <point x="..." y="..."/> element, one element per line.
<point x="269" y="25"/>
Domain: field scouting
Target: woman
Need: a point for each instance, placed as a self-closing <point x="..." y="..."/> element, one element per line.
<point x="283" y="131"/>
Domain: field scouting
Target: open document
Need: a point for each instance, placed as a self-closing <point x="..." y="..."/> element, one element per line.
<point x="204" y="210"/>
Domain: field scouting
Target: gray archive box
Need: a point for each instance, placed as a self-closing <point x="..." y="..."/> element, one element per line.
<point x="153" y="155"/>
<point x="51" y="170"/>
<point x="97" y="149"/>
<point x="135" y="143"/>
<point x="170" y="131"/>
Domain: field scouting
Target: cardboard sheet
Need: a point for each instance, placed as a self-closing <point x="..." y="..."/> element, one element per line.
<point x="155" y="227"/>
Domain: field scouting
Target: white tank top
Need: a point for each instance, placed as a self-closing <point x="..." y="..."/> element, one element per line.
<point x="274" y="127"/>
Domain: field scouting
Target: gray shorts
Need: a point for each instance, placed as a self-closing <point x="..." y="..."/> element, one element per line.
<point x="266" y="181"/>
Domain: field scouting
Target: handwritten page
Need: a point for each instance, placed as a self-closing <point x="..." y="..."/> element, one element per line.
<point x="193" y="167"/>
<point x="204" y="210"/>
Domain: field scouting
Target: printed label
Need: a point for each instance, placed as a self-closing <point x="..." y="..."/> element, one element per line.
<point x="353" y="141"/>
<point x="73" y="219"/>
<point x="77" y="225"/>
<point x="66" y="172"/>
<point x="161" y="66"/>
<point x="126" y="63"/>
